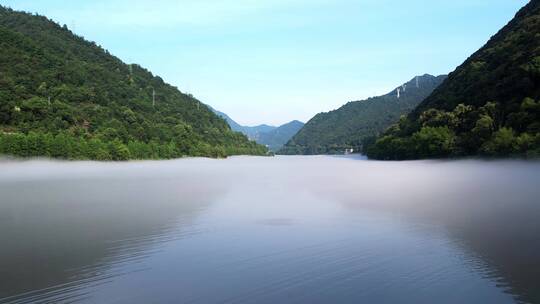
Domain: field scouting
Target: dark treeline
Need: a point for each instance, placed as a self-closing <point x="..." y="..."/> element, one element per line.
<point x="72" y="96"/>
<point x="67" y="146"/>
<point x="465" y="131"/>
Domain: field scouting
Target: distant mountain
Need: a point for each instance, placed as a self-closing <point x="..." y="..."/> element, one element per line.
<point x="490" y="105"/>
<point x="62" y="96"/>
<point x="255" y="133"/>
<point x="272" y="137"/>
<point x="275" y="139"/>
<point x="359" y="121"/>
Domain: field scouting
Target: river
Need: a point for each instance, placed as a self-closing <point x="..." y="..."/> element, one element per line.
<point x="287" y="229"/>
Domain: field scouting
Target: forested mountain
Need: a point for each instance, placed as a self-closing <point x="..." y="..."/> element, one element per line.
<point x="65" y="97"/>
<point x="358" y="122"/>
<point x="488" y="106"/>
<point x="278" y="137"/>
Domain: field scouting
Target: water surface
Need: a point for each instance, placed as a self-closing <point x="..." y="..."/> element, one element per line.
<point x="270" y="230"/>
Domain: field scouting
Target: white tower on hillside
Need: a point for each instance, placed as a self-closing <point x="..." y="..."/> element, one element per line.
<point x="398" y="92"/>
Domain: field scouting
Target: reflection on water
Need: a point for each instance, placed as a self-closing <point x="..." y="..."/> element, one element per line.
<point x="270" y="230"/>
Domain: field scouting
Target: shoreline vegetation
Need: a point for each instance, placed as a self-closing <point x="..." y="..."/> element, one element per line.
<point x="67" y="147"/>
<point x="464" y="132"/>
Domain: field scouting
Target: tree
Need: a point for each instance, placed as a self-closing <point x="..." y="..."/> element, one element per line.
<point x="484" y="127"/>
<point x="391" y="148"/>
<point x="60" y="146"/>
<point x="503" y="143"/>
<point x="432" y="142"/>
<point x="118" y="150"/>
<point x="98" y="150"/>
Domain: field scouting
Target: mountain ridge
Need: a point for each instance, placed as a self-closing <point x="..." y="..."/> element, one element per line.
<point x="357" y="121"/>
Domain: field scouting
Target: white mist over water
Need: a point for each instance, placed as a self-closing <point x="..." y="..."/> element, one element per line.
<point x="265" y="230"/>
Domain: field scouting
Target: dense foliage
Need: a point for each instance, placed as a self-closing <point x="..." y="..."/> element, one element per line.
<point x="487" y="106"/>
<point x="62" y="96"/>
<point x="357" y="123"/>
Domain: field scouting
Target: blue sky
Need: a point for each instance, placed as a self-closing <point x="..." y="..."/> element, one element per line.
<point x="272" y="61"/>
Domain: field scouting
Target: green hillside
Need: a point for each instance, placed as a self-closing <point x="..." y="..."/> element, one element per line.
<point x="358" y="122"/>
<point x="488" y="106"/>
<point x="64" y="97"/>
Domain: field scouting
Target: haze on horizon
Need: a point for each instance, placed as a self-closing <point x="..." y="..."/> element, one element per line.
<point x="273" y="61"/>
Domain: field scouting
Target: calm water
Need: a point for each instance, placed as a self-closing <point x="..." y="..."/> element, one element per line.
<point x="270" y="230"/>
